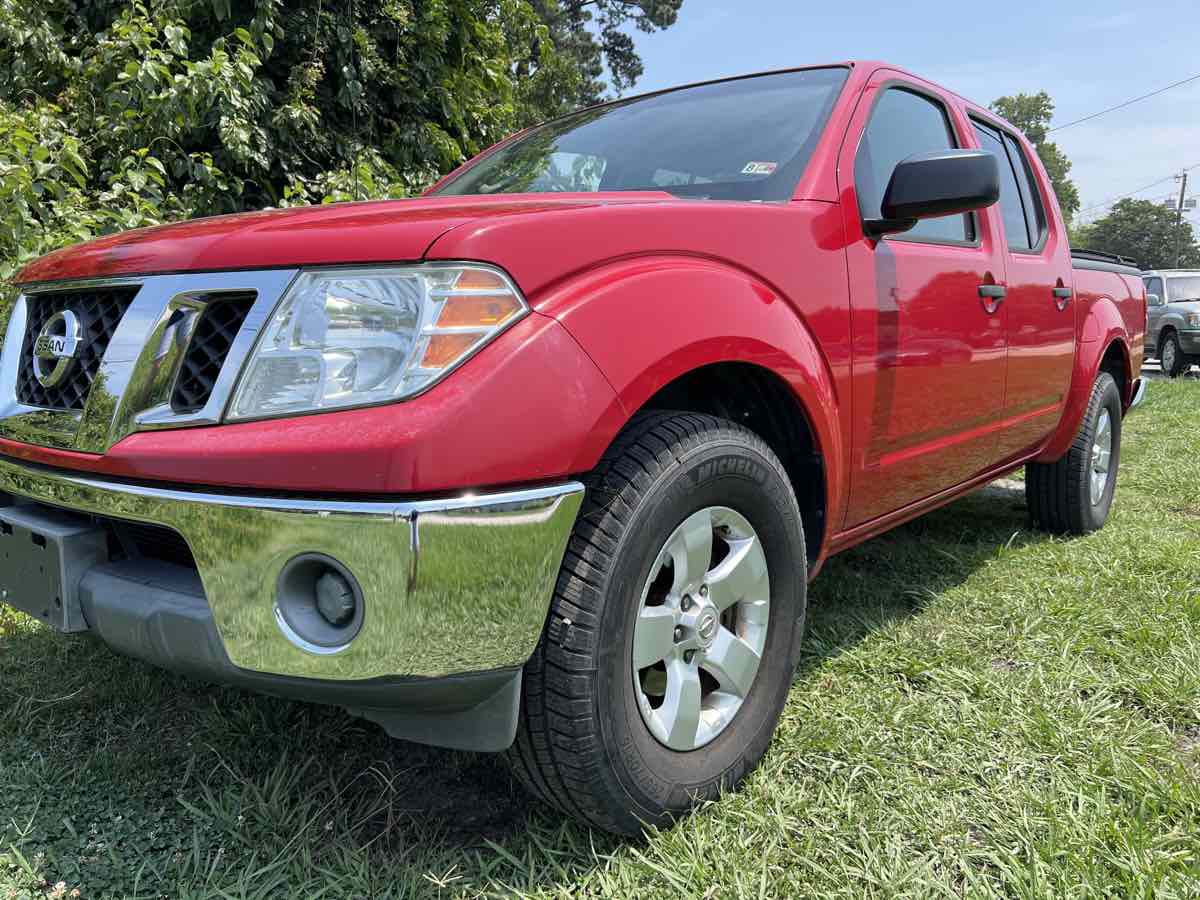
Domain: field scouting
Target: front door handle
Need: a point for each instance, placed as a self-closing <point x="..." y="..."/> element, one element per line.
<point x="992" y="295"/>
<point x="1062" y="296"/>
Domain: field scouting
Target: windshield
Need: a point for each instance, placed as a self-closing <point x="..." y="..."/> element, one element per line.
<point x="747" y="139"/>
<point x="1186" y="288"/>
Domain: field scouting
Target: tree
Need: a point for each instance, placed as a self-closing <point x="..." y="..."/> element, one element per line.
<point x="1148" y="233"/>
<point x="115" y="114"/>
<point x="1031" y="113"/>
<point x="121" y="113"/>
<point x="592" y="35"/>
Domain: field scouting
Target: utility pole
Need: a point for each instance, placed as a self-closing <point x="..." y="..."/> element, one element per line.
<point x="1182" y="179"/>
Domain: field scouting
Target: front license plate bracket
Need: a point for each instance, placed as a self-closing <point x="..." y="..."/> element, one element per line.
<point x="44" y="552"/>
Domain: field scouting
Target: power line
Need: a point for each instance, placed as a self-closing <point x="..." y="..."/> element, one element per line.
<point x="1147" y="187"/>
<point x="1113" y="200"/>
<point x="1104" y="112"/>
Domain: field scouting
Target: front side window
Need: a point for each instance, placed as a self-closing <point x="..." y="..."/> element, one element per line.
<point x="904" y="123"/>
<point x="1155" y="286"/>
<point x="745" y="139"/>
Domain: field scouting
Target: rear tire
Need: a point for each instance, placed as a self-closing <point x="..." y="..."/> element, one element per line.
<point x="1171" y="356"/>
<point x="589" y="741"/>
<point x="1070" y="496"/>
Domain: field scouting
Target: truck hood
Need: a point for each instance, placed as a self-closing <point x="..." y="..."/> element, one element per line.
<point x="369" y="232"/>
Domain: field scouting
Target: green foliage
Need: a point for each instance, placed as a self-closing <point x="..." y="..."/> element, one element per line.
<point x="591" y="35"/>
<point x="1032" y="114"/>
<point x="1147" y="232"/>
<point x="116" y="114"/>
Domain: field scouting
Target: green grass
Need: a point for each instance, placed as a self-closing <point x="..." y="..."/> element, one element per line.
<point x="980" y="711"/>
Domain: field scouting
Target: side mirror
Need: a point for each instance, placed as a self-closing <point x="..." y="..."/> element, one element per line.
<point x="1153" y="300"/>
<point x="943" y="183"/>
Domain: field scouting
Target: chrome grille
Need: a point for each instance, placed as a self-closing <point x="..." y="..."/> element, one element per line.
<point x="219" y="324"/>
<point x="99" y="311"/>
<point x="130" y="336"/>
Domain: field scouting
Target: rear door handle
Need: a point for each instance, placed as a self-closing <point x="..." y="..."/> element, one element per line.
<point x="1062" y="296"/>
<point x="992" y="295"/>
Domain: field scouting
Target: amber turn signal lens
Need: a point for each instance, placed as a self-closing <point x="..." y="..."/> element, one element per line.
<point x="480" y="280"/>
<point x="478" y="310"/>
<point x="443" y="349"/>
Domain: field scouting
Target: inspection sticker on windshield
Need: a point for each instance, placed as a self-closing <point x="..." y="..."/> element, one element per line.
<point x="760" y="168"/>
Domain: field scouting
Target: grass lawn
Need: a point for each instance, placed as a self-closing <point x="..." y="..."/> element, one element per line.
<point x="980" y="711"/>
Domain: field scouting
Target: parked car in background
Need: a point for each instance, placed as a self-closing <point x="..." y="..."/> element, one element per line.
<point x="1173" y="318"/>
<point x="543" y="461"/>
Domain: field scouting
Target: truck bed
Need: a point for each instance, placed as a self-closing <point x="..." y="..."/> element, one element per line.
<point x="1104" y="278"/>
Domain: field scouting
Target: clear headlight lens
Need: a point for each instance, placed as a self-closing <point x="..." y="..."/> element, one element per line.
<point x="352" y="337"/>
<point x="1193" y="320"/>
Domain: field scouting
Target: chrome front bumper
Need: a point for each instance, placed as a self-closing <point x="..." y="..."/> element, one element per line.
<point x="449" y="586"/>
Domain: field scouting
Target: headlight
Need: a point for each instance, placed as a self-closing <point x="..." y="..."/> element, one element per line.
<point x="352" y="337"/>
<point x="1193" y="320"/>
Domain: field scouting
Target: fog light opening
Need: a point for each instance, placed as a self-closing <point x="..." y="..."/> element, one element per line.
<point x="318" y="603"/>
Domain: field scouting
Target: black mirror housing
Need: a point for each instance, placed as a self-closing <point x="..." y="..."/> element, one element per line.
<point x="943" y="183"/>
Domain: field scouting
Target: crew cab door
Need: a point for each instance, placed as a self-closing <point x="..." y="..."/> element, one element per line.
<point x="1041" y="308"/>
<point x="928" y="344"/>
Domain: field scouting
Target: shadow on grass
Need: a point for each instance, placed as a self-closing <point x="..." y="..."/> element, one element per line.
<point x="894" y="576"/>
<point x="116" y="766"/>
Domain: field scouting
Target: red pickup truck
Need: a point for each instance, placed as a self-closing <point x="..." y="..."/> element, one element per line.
<point x="543" y="461"/>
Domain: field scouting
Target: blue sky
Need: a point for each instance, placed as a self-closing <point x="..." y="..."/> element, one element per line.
<point x="1088" y="56"/>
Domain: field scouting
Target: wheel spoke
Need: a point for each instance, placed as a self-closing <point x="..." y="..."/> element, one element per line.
<point x="680" y="710"/>
<point x="719" y="709"/>
<point x="653" y="636"/>
<point x="732" y="662"/>
<point x="691" y="549"/>
<point x="739" y="576"/>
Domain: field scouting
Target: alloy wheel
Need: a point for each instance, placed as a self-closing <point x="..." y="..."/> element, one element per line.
<point x="701" y="628"/>
<point x="1101" y="456"/>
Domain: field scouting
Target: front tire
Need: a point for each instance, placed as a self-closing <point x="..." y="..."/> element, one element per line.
<point x="1171" y="357"/>
<point x="1074" y="494"/>
<point x="674" y="630"/>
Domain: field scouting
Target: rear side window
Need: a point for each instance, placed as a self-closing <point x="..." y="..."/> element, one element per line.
<point x="1155" y="286"/>
<point x="1035" y="213"/>
<point x="1020" y="202"/>
<point x="902" y="124"/>
<point x="1016" y="226"/>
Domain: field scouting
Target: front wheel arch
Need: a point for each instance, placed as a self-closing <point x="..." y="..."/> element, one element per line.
<point x="760" y="400"/>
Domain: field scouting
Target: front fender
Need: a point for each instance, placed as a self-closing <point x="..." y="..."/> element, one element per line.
<point x="1101" y="328"/>
<point x="649" y="321"/>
